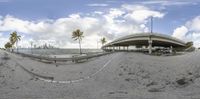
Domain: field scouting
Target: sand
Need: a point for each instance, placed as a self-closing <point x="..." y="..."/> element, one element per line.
<point x="121" y="75"/>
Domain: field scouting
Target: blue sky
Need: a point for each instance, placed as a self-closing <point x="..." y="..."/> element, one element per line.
<point x="171" y="17"/>
<point x="53" y="9"/>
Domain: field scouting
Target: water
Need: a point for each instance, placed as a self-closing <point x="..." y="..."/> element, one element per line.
<point x="57" y="52"/>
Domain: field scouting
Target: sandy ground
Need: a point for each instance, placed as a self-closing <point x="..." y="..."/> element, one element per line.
<point x="123" y="75"/>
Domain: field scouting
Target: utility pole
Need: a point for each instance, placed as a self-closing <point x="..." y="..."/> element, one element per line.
<point x="151" y="24"/>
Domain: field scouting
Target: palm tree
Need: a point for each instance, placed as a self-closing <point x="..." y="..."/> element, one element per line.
<point x="78" y="35"/>
<point x="14" y="39"/>
<point x="103" y="41"/>
<point x="8" y="45"/>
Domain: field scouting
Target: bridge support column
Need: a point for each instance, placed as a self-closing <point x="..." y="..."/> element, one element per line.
<point x="150" y="45"/>
<point x="171" y="49"/>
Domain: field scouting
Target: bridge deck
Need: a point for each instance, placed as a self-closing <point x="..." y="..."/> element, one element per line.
<point x="143" y="39"/>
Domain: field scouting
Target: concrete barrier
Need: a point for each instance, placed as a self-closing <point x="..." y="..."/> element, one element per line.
<point x="75" y="59"/>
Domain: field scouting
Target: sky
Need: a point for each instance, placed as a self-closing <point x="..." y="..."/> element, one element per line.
<point x="53" y="21"/>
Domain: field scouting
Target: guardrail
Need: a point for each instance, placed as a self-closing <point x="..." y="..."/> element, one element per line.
<point x="75" y="59"/>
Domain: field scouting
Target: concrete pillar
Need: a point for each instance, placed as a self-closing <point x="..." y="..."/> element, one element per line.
<point x="171" y="49"/>
<point x="150" y="45"/>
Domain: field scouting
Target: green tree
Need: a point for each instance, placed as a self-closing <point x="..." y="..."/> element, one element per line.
<point x="103" y="41"/>
<point x="14" y="39"/>
<point x="78" y="35"/>
<point x="8" y="45"/>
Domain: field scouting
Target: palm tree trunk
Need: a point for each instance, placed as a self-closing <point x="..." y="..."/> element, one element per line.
<point x="12" y="48"/>
<point x="80" y="46"/>
<point x="17" y="46"/>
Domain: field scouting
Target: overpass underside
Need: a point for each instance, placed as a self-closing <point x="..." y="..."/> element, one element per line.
<point x="145" y="41"/>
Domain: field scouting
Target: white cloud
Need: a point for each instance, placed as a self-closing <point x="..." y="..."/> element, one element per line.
<point x="194" y="25"/>
<point x="3" y="40"/>
<point x="113" y="14"/>
<point x="161" y="5"/>
<point x="139" y="14"/>
<point x="11" y="23"/>
<point x="190" y="31"/>
<point x="98" y="12"/>
<point x="180" y="32"/>
<point x="169" y="3"/>
<point x="111" y="24"/>
<point x="97" y="5"/>
<point x="130" y="7"/>
<point x="59" y="29"/>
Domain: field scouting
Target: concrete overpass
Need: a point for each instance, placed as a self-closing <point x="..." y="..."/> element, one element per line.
<point x="145" y="39"/>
